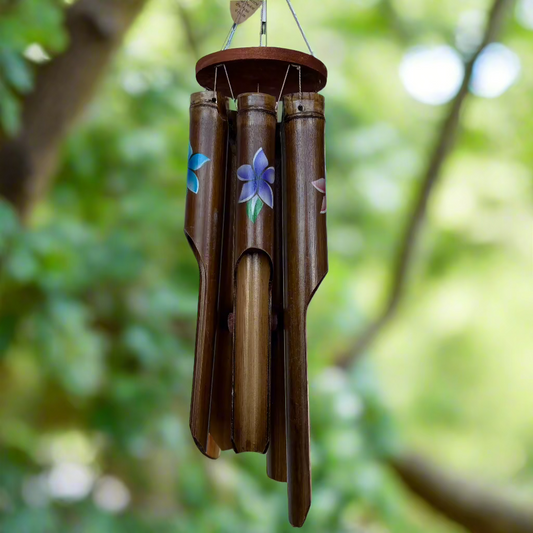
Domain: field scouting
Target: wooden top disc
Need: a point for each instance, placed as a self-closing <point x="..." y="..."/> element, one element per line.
<point x="261" y="69"/>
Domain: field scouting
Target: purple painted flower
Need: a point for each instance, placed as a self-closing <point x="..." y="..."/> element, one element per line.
<point x="256" y="191"/>
<point x="320" y="186"/>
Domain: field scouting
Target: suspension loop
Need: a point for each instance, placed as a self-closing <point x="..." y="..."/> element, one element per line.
<point x="283" y="86"/>
<point x="300" y="92"/>
<point x="222" y="65"/>
<point x="229" y="83"/>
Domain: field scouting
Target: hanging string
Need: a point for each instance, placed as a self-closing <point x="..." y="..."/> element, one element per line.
<point x="227" y="78"/>
<point x="299" y="68"/>
<point x="215" y="87"/>
<point x="300" y="93"/>
<point x="229" y="82"/>
<point x="283" y="86"/>
<point x="300" y="27"/>
<point x="233" y="30"/>
<point x="229" y="38"/>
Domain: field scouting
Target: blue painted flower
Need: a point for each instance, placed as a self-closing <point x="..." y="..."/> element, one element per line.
<point x="257" y="191"/>
<point x="196" y="161"/>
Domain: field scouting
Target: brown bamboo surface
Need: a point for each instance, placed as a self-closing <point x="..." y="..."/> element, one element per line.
<point x="220" y="423"/>
<point x="213" y="449"/>
<point x="256" y="128"/>
<point x="277" y="451"/>
<point x="254" y="253"/>
<point x="306" y="264"/>
<point x="252" y="343"/>
<point x="203" y="227"/>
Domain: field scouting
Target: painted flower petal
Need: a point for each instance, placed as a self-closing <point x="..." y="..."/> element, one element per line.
<point x="253" y="203"/>
<point x="197" y="161"/>
<point x="190" y="150"/>
<point x="249" y="190"/>
<point x="260" y="162"/>
<point x="246" y="173"/>
<point x="269" y="175"/>
<point x="192" y="182"/>
<point x="320" y="185"/>
<point x="324" y="206"/>
<point x="265" y="193"/>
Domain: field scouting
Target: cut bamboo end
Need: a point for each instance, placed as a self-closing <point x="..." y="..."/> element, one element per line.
<point x="213" y="449"/>
<point x="252" y="345"/>
<point x="298" y="512"/>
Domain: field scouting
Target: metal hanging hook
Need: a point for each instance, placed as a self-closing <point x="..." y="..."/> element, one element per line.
<point x="263" y="38"/>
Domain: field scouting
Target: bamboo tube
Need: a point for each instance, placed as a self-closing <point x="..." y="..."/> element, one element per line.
<point x="254" y="238"/>
<point x="306" y="265"/>
<point x="252" y="340"/>
<point x="220" y="424"/>
<point x="203" y="227"/>
<point x="277" y="451"/>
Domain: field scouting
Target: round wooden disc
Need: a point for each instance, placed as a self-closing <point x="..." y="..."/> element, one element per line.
<point x="261" y="69"/>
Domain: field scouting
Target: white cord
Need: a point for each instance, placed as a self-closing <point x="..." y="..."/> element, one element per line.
<point x="263" y="39"/>
<point x="300" y="27"/>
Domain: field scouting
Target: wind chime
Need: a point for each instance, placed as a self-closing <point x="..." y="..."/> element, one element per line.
<point x="256" y="221"/>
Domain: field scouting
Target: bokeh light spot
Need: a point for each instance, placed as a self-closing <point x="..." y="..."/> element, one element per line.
<point x="524" y="13"/>
<point x="36" y="53"/>
<point x="70" y="481"/>
<point x="111" y="495"/>
<point x="495" y="71"/>
<point x="432" y="75"/>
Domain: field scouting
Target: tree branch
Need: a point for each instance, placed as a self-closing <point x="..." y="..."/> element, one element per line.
<point x="417" y="217"/>
<point x="63" y="87"/>
<point x="190" y="34"/>
<point x="473" y="507"/>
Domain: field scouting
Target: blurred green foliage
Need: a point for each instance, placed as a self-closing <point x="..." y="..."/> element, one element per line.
<point x="22" y="23"/>
<point x="98" y="294"/>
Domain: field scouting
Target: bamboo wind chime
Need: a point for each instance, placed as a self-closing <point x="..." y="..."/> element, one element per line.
<point x="256" y="221"/>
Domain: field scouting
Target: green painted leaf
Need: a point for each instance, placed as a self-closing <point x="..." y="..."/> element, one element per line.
<point x="253" y="208"/>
